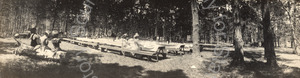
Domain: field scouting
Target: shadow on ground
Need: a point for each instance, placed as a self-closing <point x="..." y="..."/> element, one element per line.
<point x="32" y="69"/>
<point x="260" y="70"/>
<point x="4" y="46"/>
<point x="253" y="68"/>
<point x="37" y="68"/>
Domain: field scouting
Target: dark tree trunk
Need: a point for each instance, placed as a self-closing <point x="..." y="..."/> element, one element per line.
<point x="164" y="32"/>
<point x="205" y="39"/>
<point x="53" y="24"/>
<point x="156" y="26"/>
<point x="238" y="55"/>
<point x="275" y="39"/>
<point x="268" y="35"/>
<point x="66" y="25"/>
<point x="278" y="43"/>
<point x="211" y="39"/>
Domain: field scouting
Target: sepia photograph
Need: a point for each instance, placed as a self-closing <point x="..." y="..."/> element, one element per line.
<point x="149" y="39"/>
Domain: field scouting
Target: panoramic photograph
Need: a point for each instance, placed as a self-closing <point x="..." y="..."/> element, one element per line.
<point x="149" y="39"/>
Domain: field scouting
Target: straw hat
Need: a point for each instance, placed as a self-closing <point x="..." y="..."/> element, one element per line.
<point x="54" y="32"/>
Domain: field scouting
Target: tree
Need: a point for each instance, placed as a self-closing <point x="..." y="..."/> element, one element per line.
<point x="238" y="57"/>
<point x="268" y="34"/>
<point x="293" y="41"/>
<point x="195" y="25"/>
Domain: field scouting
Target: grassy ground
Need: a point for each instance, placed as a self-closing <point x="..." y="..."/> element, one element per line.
<point x="109" y="65"/>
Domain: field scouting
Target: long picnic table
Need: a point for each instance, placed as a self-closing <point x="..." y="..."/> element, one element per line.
<point x="161" y="50"/>
<point x="104" y="47"/>
<point x="182" y="49"/>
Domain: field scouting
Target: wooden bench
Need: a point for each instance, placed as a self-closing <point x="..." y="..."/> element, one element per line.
<point x="90" y="44"/>
<point x="202" y="46"/>
<point x="177" y="50"/>
<point x="93" y="45"/>
<point x="105" y="47"/>
<point x="148" y="54"/>
<point x="85" y="43"/>
<point x="75" y="42"/>
<point x="151" y="55"/>
<point x="66" y="39"/>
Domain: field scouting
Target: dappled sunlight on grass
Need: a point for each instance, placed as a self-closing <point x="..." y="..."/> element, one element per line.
<point x="103" y="65"/>
<point x="260" y="70"/>
<point x="109" y="65"/>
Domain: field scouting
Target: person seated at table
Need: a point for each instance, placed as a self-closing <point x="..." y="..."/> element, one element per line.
<point x="133" y="43"/>
<point x="124" y="39"/>
<point x="44" y="40"/>
<point x="56" y="41"/>
<point x="114" y="36"/>
<point x="124" y="36"/>
<point x="33" y="37"/>
<point x="44" y="49"/>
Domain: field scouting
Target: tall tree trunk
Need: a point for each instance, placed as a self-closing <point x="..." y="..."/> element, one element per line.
<point x="53" y="24"/>
<point x="275" y="39"/>
<point x="211" y="37"/>
<point x="294" y="45"/>
<point x="278" y="43"/>
<point x="164" y="31"/>
<point x="238" y="57"/>
<point x="259" y="36"/>
<point x="156" y="32"/>
<point x="205" y="39"/>
<point x="156" y="26"/>
<point x="195" y="25"/>
<point x="66" y="25"/>
<point x="268" y="35"/>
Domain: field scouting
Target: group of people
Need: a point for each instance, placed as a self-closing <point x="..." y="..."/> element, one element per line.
<point x="39" y="44"/>
<point x="41" y="41"/>
<point x="131" y="43"/>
